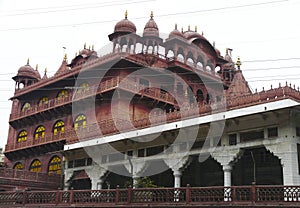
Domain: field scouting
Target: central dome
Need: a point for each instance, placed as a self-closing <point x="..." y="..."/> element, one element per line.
<point x="151" y="28"/>
<point x="28" y="71"/>
<point x="125" y="25"/>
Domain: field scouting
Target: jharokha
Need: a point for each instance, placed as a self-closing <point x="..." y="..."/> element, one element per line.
<point x="175" y="110"/>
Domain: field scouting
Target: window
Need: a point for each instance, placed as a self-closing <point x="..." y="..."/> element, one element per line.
<point x="22" y="136"/>
<point x="83" y="87"/>
<point x="273" y="132"/>
<point x="18" y="166"/>
<point x="251" y="135"/>
<point x="62" y="94"/>
<point x="26" y="107"/>
<point x="59" y="127"/>
<point x="39" y="132"/>
<point x="298" y="131"/>
<point x="80" y="122"/>
<point x="43" y="100"/>
<point x="54" y="166"/>
<point x="232" y="139"/>
<point x="35" y="166"/>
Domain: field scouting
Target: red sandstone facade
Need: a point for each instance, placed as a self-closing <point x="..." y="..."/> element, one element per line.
<point x="43" y="122"/>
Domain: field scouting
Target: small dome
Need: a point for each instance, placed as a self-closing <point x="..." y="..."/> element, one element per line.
<point x="125" y="25"/>
<point x="175" y="33"/>
<point x="189" y="34"/>
<point x="28" y="71"/>
<point x="218" y="52"/>
<point x="151" y="28"/>
<point x="227" y="56"/>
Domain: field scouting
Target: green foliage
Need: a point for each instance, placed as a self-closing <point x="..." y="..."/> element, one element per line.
<point x="143" y="182"/>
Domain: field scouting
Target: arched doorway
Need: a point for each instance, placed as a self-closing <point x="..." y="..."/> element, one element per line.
<point x="257" y="165"/>
<point x="207" y="173"/>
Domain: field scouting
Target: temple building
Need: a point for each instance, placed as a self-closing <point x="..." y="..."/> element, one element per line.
<point x="172" y="109"/>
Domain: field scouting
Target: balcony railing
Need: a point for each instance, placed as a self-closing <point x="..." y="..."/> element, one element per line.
<point x="8" y="173"/>
<point x="262" y="196"/>
<point x="92" y="90"/>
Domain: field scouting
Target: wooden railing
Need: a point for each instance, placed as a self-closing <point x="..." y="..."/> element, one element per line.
<point x="159" y="197"/>
<point x="9" y="173"/>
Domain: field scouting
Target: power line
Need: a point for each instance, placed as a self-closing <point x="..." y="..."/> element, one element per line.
<point x="163" y="15"/>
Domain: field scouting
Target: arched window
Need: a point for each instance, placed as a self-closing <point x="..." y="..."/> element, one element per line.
<point x="22" y="136"/>
<point x="39" y="132"/>
<point x="83" y="87"/>
<point x="80" y="122"/>
<point x="43" y="100"/>
<point x="54" y="165"/>
<point x="200" y="96"/>
<point x="59" y="127"/>
<point x="62" y="94"/>
<point x="18" y="166"/>
<point x="26" y="106"/>
<point x="36" y="166"/>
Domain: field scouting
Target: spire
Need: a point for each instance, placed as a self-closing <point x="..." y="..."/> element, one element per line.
<point x="36" y="67"/>
<point x="151" y="15"/>
<point x="196" y="28"/>
<point x="65" y="57"/>
<point x="84" y="46"/>
<point x="45" y="71"/>
<point x="45" y="74"/>
<point x="175" y="26"/>
<point x="92" y="47"/>
<point x="189" y="28"/>
<point x="27" y="61"/>
<point x="126" y="14"/>
<point x="181" y="29"/>
<point x="239" y="63"/>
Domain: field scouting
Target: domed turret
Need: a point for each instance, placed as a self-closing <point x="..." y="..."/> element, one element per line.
<point x="227" y="56"/>
<point x="189" y="34"/>
<point x="175" y="33"/>
<point x="26" y="76"/>
<point x="125" y="25"/>
<point x="151" y="28"/>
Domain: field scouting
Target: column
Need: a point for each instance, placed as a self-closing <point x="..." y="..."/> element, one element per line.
<point x="135" y="181"/>
<point x="96" y="173"/>
<point x="227" y="175"/>
<point x="177" y="178"/>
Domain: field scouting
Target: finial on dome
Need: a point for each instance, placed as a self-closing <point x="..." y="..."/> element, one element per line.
<point x="196" y="28"/>
<point x="214" y="44"/>
<point x="202" y="33"/>
<point x="189" y="28"/>
<point x="181" y="29"/>
<point x="92" y="47"/>
<point x="126" y="14"/>
<point x="65" y="57"/>
<point x="45" y="71"/>
<point x="239" y="63"/>
<point x="27" y="61"/>
<point x="175" y="26"/>
<point x="89" y="47"/>
<point x="76" y="54"/>
<point x="36" y="67"/>
<point x="227" y="51"/>
<point x="151" y="15"/>
<point x="84" y="46"/>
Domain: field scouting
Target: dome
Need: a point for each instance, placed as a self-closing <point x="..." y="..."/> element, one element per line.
<point x="151" y="28"/>
<point x="192" y="34"/>
<point x="175" y="33"/>
<point x="125" y="25"/>
<point x="227" y="56"/>
<point x="28" y="71"/>
<point x="218" y="52"/>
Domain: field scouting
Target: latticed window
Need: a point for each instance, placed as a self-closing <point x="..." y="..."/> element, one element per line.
<point x="39" y="132"/>
<point x="43" y="100"/>
<point x="62" y="94"/>
<point x="80" y="122"/>
<point x="22" y="136"/>
<point x="82" y="87"/>
<point x="18" y="166"/>
<point x="36" y="166"/>
<point x="26" y="106"/>
<point x="59" y="127"/>
<point x="54" y="165"/>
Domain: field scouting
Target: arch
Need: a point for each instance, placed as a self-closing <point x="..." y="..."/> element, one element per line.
<point x="58" y="127"/>
<point x="35" y="166"/>
<point x="180" y="54"/>
<point x="22" y="136"/>
<point x="200" y="96"/>
<point x="39" y="132"/>
<point x="43" y="100"/>
<point x="80" y="121"/>
<point x="62" y="93"/>
<point x="18" y="166"/>
<point x="170" y="53"/>
<point x="54" y="166"/>
<point x="26" y="106"/>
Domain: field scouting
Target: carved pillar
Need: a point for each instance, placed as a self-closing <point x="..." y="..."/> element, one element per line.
<point x="96" y="173"/>
<point x="68" y="175"/>
<point x="177" y="165"/>
<point x="227" y="175"/>
<point x="135" y="167"/>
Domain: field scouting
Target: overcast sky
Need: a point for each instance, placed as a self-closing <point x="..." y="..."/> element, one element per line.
<point x="264" y="33"/>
